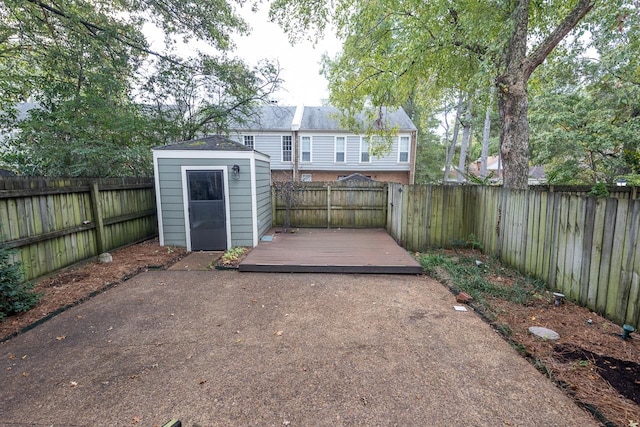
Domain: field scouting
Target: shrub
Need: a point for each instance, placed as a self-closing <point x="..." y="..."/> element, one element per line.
<point x="16" y="295"/>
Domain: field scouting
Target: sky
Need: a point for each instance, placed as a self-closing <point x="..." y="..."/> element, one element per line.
<point x="300" y="63"/>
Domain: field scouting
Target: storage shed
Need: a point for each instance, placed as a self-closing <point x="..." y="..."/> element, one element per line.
<point x="212" y="194"/>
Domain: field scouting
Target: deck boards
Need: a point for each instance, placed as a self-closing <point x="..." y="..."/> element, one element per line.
<point x="331" y="251"/>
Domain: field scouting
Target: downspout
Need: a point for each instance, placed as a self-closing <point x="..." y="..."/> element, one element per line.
<point x="294" y="153"/>
<point x="295" y="127"/>
<point x="414" y="150"/>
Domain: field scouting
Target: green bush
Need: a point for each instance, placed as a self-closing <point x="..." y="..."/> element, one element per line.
<point x="16" y="295"/>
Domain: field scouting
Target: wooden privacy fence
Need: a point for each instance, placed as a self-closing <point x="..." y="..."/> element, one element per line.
<point x="318" y="204"/>
<point x="54" y="223"/>
<point x="584" y="247"/>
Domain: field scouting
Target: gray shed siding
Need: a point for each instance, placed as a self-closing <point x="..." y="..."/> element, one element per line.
<point x="263" y="196"/>
<point x="172" y="204"/>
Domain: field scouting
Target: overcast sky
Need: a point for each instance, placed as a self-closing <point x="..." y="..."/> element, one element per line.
<point x="300" y="63"/>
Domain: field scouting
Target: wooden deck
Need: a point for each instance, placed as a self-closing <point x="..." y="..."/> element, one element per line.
<point x="331" y="251"/>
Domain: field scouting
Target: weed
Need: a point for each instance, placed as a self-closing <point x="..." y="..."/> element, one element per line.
<point x="466" y="276"/>
<point x="232" y="255"/>
<point x="504" y="329"/>
<point x="599" y="190"/>
<point x="471" y="242"/>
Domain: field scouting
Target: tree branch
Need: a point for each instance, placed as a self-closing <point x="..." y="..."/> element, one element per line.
<point x="94" y="29"/>
<point x="538" y="56"/>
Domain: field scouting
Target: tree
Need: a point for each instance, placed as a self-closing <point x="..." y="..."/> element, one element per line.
<point x="86" y="64"/>
<point x="393" y="48"/>
<point x="206" y="96"/>
<point x="585" y="113"/>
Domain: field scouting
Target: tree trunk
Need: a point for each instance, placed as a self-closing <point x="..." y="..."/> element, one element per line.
<point x="486" y="133"/>
<point x="454" y="139"/>
<point x="466" y="141"/>
<point x="513" y="106"/>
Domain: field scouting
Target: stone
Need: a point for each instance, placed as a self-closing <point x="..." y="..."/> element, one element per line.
<point x="105" y="258"/>
<point x="544" y="333"/>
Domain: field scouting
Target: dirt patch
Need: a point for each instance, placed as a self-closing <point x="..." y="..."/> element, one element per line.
<point x="590" y="361"/>
<point x="577" y="361"/>
<point x="77" y="283"/>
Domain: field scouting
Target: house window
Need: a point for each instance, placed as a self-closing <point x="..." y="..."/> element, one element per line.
<point x="305" y="152"/>
<point x="365" y="157"/>
<point x="340" y="149"/>
<point x="248" y="141"/>
<point x="286" y="148"/>
<point x="403" y="149"/>
<point x="305" y="177"/>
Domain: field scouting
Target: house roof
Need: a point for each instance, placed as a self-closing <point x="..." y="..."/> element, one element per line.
<point x="281" y="118"/>
<point x="214" y="142"/>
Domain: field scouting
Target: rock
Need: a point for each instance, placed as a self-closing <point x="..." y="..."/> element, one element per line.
<point x="463" y="298"/>
<point x="545" y="333"/>
<point x="105" y="258"/>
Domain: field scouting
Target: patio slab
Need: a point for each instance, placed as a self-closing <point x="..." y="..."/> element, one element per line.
<point x="317" y="250"/>
<point x="221" y="348"/>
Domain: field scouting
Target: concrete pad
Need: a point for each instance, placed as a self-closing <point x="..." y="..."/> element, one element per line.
<point x="222" y="348"/>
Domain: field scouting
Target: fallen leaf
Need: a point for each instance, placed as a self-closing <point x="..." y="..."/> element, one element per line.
<point x="12" y="356"/>
<point x="61" y="337"/>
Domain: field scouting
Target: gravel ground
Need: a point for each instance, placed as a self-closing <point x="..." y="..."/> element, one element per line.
<point x="226" y="348"/>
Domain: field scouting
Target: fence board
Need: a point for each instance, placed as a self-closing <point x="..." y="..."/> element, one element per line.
<point x="627" y="261"/>
<point x="584" y="247"/>
<point x="619" y="235"/>
<point x="362" y="205"/>
<point x="575" y="234"/>
<point x="51" y="222"/>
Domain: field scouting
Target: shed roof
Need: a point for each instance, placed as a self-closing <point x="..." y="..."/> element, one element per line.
<point x="214" y="142"/>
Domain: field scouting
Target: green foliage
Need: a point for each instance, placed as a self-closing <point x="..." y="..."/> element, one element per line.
<point x="464" y="274"/>
<point x="470" y="242"/>
<point x="105" y="96"/>
<point x="233" y="255"/>
<point x="430" y="150"/>
<point x="16" y="295"/>
<point x="585" y="109"/>
<point x="394" y="51"/>
<point x="599" y="190"/>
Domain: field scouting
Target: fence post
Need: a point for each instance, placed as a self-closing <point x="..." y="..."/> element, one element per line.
<point x="274" y="208"/>
<point x="328" y="206"/>
<point x="96" y="207"/>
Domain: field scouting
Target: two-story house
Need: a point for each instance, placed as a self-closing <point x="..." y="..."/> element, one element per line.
<point x="308" y="144"/>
